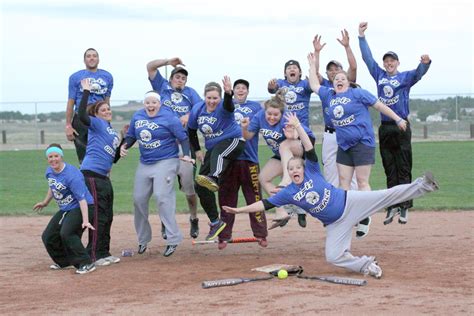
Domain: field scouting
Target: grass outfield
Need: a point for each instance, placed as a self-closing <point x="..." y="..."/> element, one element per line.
<point x="23" y="183"/>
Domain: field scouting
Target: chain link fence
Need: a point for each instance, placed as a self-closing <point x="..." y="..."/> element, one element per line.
<point x="31" y="125"/>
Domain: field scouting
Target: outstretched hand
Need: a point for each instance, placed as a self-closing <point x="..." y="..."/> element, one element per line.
<point x="187" y="159"/>
<point x="85" y="84"/>
<point x="229" y="209"/>
<point x="345" y="38"/>
<point x="175" y="61"/>
<point x="425" y="59"/>
<point x="227" y="84"/>
<point x="317" y="43"/>
<point x="38" y="207"/>
<point x="311" y="59"/>
<point x="292" y="120"/>
<point x="362" y="28"/>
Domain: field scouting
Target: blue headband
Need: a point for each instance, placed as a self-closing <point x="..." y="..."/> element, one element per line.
<point x="54" y="150"/>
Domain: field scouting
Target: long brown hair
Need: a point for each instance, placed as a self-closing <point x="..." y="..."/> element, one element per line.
<point x="278" y="100"/>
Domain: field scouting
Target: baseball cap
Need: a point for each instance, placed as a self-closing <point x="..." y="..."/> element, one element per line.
<point x="242" y="81"/>
<point x="178" y="69"/>
<point x="292" y="62"/>
<point x="390" y="54"/>
<point x="335" y="63"/>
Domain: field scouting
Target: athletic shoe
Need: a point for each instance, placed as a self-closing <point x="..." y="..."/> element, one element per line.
<point x="86" y="268"/>
<point x="222" y="244"/>
<point x="194" y="230"/>
<point x="207" y="182"/>
<point x="302" y="220"/>
<point x="430" y="180"/>
<point x="163" y="231"/>
<point x="363" y="228"/>
<point x="262" y="242"/>
<point x="112" y="259"/>
<point x="279" y="222"/>
<point x="215" y="229"/>
<point x="170" y="249"/>
<point x="141" y="249"/>
<point x="56" y="266"/>
<point x="403" y="216"/>
<point x="374" y="270"/>
<point x="391" y="212"/>
<point x="102" y="262"/>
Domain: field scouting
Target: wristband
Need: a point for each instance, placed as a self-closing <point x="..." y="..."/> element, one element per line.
<point x="399" y="121"/>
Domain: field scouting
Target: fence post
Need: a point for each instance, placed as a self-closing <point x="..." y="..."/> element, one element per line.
<point x="42" y="137"/>
<point x="425" y="131"/>
<point x="472" y="130"/>
<point x="4" y="136"/>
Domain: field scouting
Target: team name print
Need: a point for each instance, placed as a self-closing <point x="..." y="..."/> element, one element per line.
<point x="206" y="119"/>
<point x="339" y="100"/>
<point x="344" y="122"/>
<point x="269" y="133"/>
<point x="301" y="193"/>
<point x="295" y="107"/>
<point x="57" y="185"/>
<point x="145" y="123"/>
<point x="393" y="82"/>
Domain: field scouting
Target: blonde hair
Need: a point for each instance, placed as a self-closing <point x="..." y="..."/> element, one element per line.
<point x="278" y="100"/>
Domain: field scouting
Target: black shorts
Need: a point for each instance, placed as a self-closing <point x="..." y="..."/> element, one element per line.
<point x="358" y="155"/>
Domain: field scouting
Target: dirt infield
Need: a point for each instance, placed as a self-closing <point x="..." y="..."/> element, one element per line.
<point x="427" y="264"/>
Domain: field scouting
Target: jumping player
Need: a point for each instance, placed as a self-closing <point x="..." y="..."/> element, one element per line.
<point x="180" y="98"/>
<point x="101" y="82"/>
<point x="393" y="89"/>
<point x="337" y="209"/>
<point x="62" y="236"/>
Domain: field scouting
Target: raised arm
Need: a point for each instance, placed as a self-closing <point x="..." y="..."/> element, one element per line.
<point x="252" y="208"/>
<point x="382" y="108"/>
<point x="352" y="70"/>
<point x="152" y="66"/>
<point x="313" y="77"/>
<point x="317" y="49"/>
<point x="83" y="116"/>
<point x="293" y="120"/>
<point x="228" y="94"/>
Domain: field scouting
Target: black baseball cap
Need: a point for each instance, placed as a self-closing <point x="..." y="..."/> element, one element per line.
<point x="242" y="81"/>
<point x="335" y="63"/>
<point x="292" y="62"/>
<point x="390" y="54"/>
<point x="178" y="69"/>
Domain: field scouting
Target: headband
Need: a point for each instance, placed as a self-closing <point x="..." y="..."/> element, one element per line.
<point x="152" y="94"/>
<point x="54" y="150"/>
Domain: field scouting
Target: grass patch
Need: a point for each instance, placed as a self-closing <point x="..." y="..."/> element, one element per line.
<point x="23" y="183"/>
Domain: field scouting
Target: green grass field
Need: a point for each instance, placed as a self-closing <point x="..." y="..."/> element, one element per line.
<point x="23" y="183"/>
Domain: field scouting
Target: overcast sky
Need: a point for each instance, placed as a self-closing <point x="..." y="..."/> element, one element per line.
<point x="43" y="41"/>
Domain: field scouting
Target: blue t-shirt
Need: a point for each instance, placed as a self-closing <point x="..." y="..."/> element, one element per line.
<point x="101" y="83"/>
<point x="68" y="187"/>
<point x="393" y="91"/>
<point x="272" y="134"/>
<point x="325" y="105"/>
<point x="156" y="136"/>
<point x="102" y="143"/>
<point x="216" y="126"/>
<point x="297" y="98"/>
<point x="314" y="195"/>
<point x="248" y="109"/>
<point x="349" y="113"/>
<point x="180" y="102"/>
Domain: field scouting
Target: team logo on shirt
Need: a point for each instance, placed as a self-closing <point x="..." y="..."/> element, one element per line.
<point x="206" y="129"/>
<point x="324" y="202"/>
<point x="272" y="143"/>
<point x="338" y="111"/>
<point x="176" y="97"/>
<point x="238" y="117"/>
<point x="312" y="197"/>
<point x="290" y="97"/>
<point x="57" y="195"/>
<point x="145" y="135"/>
<point x="388" y="91"/>
<point x="98" y="85"/>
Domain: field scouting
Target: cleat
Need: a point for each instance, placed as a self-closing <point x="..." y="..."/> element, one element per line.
<point x="374" y="270"/>
<point x="207" y="182"/>
<point x="102" y="262"/>
<point x="363" y="228"/>
<point x="391" y="212"/>
<point x="87" y="268"/>
<point x="215" y="229"/>
<point x="194" y="230"/>
<point x="302" y="220"/>
<point x="112" y="259"/>
<point x="403" y="216"/>
<point x="169" y="250"/>
<point x="141" y="249"/>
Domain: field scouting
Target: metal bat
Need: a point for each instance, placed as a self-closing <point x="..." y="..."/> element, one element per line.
<point x="335" y="279"/>
<point x="230" y="282"/>
<point x="232" y="241"/>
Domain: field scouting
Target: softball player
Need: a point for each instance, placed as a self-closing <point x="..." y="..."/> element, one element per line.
<point x="337" y="209"/>
<point x="102" y="145"/>
<point x="62" y="236"/>
<point x="393" y="89"/>
<point x="179" y="98"/>
<point x="157" y="130"/>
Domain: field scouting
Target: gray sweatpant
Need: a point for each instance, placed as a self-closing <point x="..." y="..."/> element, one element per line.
<point x="359" y="205"/>
<point x="157" y="179"/>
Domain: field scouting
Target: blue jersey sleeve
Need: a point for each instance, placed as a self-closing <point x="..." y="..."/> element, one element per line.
<point x="77" y="186"/>
<point x="254" y="125"/>
<point x="72" y="89"/>
<point x="324" y="94"/>
<point x="131" y="128"/>
<point x="414" y="76"/>
<point x="281" y="198"/>
<point x="110" y="86"/>
<point x="373" y="67"/>
<point x="158" y="82"/>
<point x="177" y="129"/>
<point x="365" y="97"/>
<point x="192" y="121"/>
<point x="195" y="98"/>
<point x="312" y="166"/>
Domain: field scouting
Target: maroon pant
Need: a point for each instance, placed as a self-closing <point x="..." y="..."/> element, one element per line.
<point x="241" y="173"/>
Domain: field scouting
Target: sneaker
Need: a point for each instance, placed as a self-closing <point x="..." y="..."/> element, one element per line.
<point x="363" y="228"/>
<point x="86" y="268"/>
<point x="207" y="182"/>
<point x="429" y="179"/>
<point x="222" y="244"/>
<point x="141" y="249"/>
<point x="403" y="216"/>
<point x="163" y="231"/>
<point x="194" y="230"/>
<point x="112" y="259"/>
<point x="391" y="212"/>
<point x="170" y="249"/>
<point x="302" y="220"/>
<point x="56" y="266"/>
<point x="374" y="270"/>
<point x="102" y="262"/>
<point x="262" y="242"/>
<point x="215" y="229"/>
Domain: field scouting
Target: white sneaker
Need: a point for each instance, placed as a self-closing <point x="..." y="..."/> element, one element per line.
<point x="56" y="266"/>
<point x="429" y="179"/>
<point x="87" y="268"/>
<point x="112" y="259"/>
<point x="374" y="270"/>
<point x="102" y="262"/>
